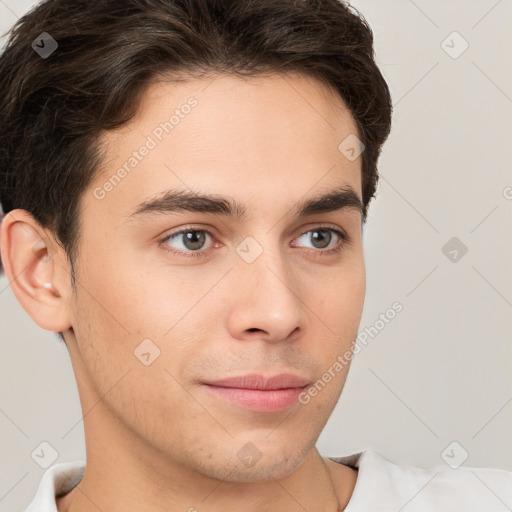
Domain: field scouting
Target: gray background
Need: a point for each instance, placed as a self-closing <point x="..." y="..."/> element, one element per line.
<point x="436" y="380"/>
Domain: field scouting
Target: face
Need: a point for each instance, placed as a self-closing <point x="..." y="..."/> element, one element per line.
<point x="157" y="314"/>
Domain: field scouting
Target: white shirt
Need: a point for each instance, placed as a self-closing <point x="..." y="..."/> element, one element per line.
<point x="381" y="486"/>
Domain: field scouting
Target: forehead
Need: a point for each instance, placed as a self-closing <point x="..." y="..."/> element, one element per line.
<point x="247" y="137"/>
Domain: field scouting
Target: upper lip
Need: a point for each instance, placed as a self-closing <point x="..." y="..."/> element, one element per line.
<point x="254" y="381"/>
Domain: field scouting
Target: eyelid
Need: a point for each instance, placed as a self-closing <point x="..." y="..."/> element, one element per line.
<point x="339" y="231"/>
<point x="192" y="227"/>
<point x="213" y="231"/>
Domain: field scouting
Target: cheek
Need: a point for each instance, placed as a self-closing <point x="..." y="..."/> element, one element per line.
<point x="125" y="299"/>
<point x="108" y="339"/>
<point x="338" y="298"/>
<point x="338" y="306"/>
<point x="126" y="319"/>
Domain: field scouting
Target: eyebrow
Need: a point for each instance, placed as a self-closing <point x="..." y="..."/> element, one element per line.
<point x="175" y="201"/>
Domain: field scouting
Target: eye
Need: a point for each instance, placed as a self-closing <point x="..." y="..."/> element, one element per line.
<point x="191" y="241"/>
<point x="322" y="236"/>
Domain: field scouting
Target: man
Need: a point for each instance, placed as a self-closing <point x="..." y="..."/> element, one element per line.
<point x="185" y="185"/>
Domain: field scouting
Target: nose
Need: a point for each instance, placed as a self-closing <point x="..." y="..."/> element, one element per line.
<point x="266" y="302"/>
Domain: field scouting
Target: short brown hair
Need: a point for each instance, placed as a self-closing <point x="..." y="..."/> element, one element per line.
<point x="54" y="108"/>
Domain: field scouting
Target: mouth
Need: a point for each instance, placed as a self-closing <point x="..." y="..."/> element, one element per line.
<point x="259" y="393"/>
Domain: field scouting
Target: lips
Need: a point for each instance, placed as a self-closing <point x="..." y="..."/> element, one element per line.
<point x="258" y="393"/>
<point x="260" y="382"/>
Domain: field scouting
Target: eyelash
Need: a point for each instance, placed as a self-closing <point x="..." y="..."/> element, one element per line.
<point x="198" y="254"/>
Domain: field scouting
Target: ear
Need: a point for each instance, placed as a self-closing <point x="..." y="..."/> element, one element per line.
<point x="37" y="270"/>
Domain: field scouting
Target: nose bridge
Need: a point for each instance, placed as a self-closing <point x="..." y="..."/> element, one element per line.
<point x="267" y="279"/>
<point x="263" y="259"/>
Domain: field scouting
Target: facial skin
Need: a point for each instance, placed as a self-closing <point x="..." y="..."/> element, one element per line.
<point x="155" y="438"/>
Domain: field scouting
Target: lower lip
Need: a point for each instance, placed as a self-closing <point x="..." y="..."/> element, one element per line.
<point x="259" y="400"/>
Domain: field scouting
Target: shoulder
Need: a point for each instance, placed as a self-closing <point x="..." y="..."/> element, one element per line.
<point x="443" y="487"/>
<point x="57" y="480"/>
<point x="384" y="485"/>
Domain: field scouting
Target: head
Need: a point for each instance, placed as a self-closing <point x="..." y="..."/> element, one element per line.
<point x="275" y="112"/>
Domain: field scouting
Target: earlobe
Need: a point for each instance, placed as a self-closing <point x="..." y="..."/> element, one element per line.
<point x="31" y="262"/>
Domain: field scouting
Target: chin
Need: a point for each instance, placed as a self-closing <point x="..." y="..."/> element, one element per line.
<point x="273" y="461"/>
<point x="271" y="466"/>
